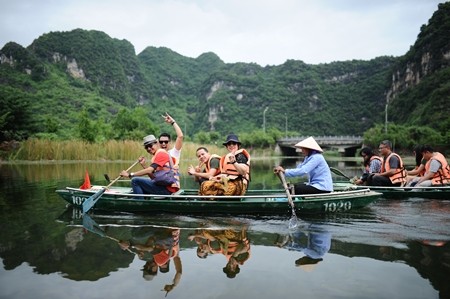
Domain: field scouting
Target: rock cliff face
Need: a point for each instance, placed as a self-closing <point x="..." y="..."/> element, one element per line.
<point x="430" y="53"/>
<point x="413" y="73"/>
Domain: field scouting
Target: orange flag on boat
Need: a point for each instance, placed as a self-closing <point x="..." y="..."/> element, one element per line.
<point x="87" y="182"/>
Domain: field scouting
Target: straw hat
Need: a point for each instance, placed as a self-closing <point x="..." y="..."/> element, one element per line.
<point x="149" y="139"/>
<point x="309" y="143"/>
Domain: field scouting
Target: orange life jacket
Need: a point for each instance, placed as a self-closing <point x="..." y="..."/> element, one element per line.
<point x="442" y="176"/>
<point x="422" y="172"/>
<point x="208" y="164"/>
<point x="371" y="159"/>
<point x="226" y="167"/>
<point x="233" y="246"/>
<point x="175" y="186"/>
<point x="400" y="174"/>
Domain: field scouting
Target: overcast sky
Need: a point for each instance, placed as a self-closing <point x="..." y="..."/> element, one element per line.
<point x="260" y="31"/>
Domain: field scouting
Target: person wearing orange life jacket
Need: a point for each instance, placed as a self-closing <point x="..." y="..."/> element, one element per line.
<point x="419" y="169"/>
<point x="437" y="169"/>
<point x="160" y="161"/>
<point x="371" y="162"/>
<point x="392" y="172"/>
<point x="234" y="174"/>
<point x="211" y="163"/>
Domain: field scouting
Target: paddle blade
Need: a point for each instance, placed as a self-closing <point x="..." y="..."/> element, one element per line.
<point x="92" y="226"/>
<point x="293" y="222"/>
<point x="340" y="173"/>
<point x="90" y="202"/>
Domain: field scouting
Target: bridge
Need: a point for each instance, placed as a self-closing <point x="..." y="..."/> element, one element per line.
<point x="346" y="145"/>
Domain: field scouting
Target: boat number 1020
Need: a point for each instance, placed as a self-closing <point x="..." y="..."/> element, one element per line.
<point x="337" y="206"/>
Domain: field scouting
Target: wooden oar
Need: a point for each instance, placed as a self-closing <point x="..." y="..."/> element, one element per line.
<point x="90" y="202"/>
<point x="293" y="222"/>
<point x="340" y="173"/>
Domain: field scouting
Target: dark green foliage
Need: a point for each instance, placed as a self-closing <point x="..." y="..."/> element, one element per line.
<point x="86" y="129"/>
<point x="405" y="137"/>
<point x="124" y="94"/>
<point x="132" y="125"/>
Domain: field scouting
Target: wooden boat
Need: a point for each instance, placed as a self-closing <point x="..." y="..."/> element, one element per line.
<point x="435" y="192"/>
<point x="264" y="202"/>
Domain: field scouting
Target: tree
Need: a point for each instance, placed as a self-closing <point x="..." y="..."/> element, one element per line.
<point x="86" y="128"/>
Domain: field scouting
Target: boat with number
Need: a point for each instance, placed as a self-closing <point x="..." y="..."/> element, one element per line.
<point x="434" y="192"/>
<point x="264" y="202"/>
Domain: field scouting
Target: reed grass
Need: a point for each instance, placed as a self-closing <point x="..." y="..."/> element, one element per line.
<point x="113" y="150"/>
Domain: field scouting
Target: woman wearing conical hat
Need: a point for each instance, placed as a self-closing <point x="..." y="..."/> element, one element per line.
<point x="314" y="165"/>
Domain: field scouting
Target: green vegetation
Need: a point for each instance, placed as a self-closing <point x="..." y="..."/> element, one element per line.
<point x="41" y="150"/>
<point x="406" y="137"/>
<point x="85" y="86"/>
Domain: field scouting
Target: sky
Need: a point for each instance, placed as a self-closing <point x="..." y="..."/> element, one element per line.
<point x="266" y="32"/>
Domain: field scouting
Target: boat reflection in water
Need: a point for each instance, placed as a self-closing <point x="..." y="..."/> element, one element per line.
<point x="182" y="254"/>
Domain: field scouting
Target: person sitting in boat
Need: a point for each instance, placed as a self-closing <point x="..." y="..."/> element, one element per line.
<point x="393" y="172"/>
<point x="234" y="174"/>
<point x="314" y="165"/>
<point x="371" y="162"/>
<point x="419" y="169"/>
<point x="160" y="162"/>
<point x="437" y="169"/>
<point x="210" y="162"/>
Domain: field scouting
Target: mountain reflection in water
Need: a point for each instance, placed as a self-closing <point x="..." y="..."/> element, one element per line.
<point x="391" y="249"/>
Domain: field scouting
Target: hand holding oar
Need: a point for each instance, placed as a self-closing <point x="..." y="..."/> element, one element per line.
<point x="90" y="202"/>
<point x="293" y="222"/>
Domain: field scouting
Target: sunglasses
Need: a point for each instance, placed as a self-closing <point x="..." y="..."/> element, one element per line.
<point x="163" y="141"/>
<point x="149" y="145"/>
<point x="231" y="143"/>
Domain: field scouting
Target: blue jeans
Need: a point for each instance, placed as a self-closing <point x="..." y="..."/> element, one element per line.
<point x="143" y="185"/>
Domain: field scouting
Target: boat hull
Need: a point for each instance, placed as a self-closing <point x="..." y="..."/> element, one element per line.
<point x="119" y="199"/>
<point x="401" y="192"/>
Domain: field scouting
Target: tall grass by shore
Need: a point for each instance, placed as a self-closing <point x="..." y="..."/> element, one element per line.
<point x="37" y="150"/>
<point x="47" y="150"/>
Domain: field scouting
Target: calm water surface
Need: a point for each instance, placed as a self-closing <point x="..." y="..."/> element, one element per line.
<point x="391" y="249"/>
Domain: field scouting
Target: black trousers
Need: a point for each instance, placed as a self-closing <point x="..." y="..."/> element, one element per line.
<point x="378" y="180"/>
<point x="307" y="189"/>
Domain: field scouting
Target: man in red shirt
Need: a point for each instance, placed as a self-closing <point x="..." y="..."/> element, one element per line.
<point x="159" y="162"/>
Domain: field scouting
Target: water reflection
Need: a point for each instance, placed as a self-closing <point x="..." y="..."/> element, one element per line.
<point x="402" y="245"/>
<point x="233" y="244"/>
<point x="161" y="249"/>
<point x="314" y="243"/>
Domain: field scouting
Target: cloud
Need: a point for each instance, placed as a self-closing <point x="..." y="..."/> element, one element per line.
<point x="264" y="32"/>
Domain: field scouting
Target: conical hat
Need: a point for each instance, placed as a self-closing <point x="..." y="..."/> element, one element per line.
<point x="309" y="143"/>
<point x="307" y="268"/>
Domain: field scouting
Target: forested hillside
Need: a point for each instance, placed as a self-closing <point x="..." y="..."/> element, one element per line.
<point x="63" y="79"/>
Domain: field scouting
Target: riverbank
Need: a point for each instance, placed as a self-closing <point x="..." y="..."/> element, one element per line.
<point x="35" y="150"/>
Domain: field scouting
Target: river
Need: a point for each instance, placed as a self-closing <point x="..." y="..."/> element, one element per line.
<point x="390" y="249"/>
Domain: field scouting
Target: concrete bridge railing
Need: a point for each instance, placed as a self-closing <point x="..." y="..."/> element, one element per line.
<point x="346" y="145"/>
